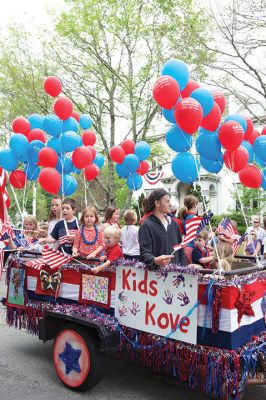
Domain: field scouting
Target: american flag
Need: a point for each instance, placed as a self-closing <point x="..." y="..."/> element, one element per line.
<point x="4" y="194"/>
<point x="65" y="239"/>
<point x="226" y="228"/>
<point x="193" y="227"/>
<point x="52" y="257"/>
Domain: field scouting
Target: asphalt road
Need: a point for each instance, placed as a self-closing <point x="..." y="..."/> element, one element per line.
<point x="27" y="373"/>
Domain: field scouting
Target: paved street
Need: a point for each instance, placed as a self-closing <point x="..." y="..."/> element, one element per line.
<point x="27" y="373"/>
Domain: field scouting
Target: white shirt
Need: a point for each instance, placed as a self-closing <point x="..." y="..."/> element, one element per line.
<point x="260" y="232"/>
<point x="130" y="240"/>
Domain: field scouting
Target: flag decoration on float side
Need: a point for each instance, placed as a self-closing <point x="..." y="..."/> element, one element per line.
<point x="51" y="257"/>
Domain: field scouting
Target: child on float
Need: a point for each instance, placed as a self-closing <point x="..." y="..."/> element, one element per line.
<point x="27" y="236"/>
<point x="130" y="236"/>
<point x="65" y="230"/>
<point x="189" y="211"/>
<point x="41" y="233"/>
<point x="112" y="236"/>
<point x="223" y="257"/>
<point x="111" y="217"/>
<point x="54" y="214"/>
<point x="88" y="241"/>
<point x="200" y="252"/>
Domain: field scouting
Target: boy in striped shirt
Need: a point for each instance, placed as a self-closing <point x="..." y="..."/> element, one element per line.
<point x="65" y="230"/>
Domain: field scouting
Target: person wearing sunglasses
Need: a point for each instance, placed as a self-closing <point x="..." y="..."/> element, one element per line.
<point x="258" y="230"/>
<point x="252" y="246"/>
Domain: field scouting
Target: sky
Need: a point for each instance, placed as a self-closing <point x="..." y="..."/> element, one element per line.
<point x="31" y="13"/>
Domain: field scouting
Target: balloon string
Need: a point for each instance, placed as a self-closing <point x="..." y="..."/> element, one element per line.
<point x="135" y="189"/>
<point x="16" y="199"/>
<point x="62" y="169"/>
<point x="85" y="191"/>
<point x="205" y="208"/>
<point x="243" y="212"/>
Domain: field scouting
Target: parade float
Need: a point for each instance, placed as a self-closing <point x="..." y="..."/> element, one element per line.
<point x="206" y="328"/>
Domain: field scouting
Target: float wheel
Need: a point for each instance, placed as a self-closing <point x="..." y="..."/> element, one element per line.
<point x="77" y="358"/>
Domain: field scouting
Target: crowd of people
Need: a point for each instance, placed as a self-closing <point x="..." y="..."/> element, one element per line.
<point x="154" y="239"/>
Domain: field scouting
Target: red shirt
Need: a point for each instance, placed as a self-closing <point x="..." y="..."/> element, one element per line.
<point x="113" y="253"/>
<point x="86" y="249"/>
<point x="180" y="224"/>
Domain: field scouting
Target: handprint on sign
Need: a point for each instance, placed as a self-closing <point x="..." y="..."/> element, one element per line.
<point x="178" y="279"/>
<point x="162" y="274"/>
<point x="122" y="311"/>
<point x="168" y="297"/>
<point x="122" y="297"/>
<point x="184" y="298"/>
<point x="135" y="308"/>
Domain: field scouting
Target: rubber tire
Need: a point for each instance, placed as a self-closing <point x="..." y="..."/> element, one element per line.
<point x="89" y="340"/>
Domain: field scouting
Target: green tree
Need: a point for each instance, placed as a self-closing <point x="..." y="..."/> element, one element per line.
<point x="111" y="53"/>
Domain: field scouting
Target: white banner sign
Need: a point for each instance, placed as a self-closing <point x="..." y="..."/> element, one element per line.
<point x="157" y="303"/>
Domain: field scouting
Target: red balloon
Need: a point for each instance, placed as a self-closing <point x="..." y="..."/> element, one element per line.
<point x="250" y="176"/>
<point x="52" y="85"/>
<point x="220" y="99"/>
<point x="50" y="180"/>
<point x="253" y="136"/>
<point x="88" y="138"/>
<point x="21" y="125"/>
<point x="82" y="157"/>
<point x="47" y="157"/>
<point x="166" y="92"/>
<point x="91" y="172"/>
<point x="213" y="119"/>
<point x="191" y="85"/>
<point x="237" y="159"/>
<point x="188" y="115"/>
<point x="128" y="145"/>
<point x="63" y="107"/>
<point x="36" y="134"/>
<point x="75" y="115"/>
<point x="263" y="132"/>
<point x="143" y="168"/>
<point x="93" y="151"/>
<point x="231" y="135"/>
<point x="117" y="154"/>
<point x="249" y="130"/>
<point x="17" y="179"/>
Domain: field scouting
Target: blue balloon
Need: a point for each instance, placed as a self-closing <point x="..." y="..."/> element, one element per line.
<point x="134" y="181"/>
<point x="209" y="146"/>
<point x="76" y="171"/>
<point x="212" y="166"/>
<point x="32" y="171"/>
<point x="69" y="185"/>
<point x="33" y="150"/>
<point x="142" y="150"/>
<point x="131" y="162"/>
<point x="121" y="170"/>
<point x="259" y="147"/>
<point x="263" y="174"/>
<point x="205" y="98"/>
<point x="249" y="149"/>
<point x="55" y="143"/>
<point x="19" y="144"/>
<point x="70" y="124"/>
<point x="260" y="162"/>
<point x="36" y="121"/>
<point x="99" y="160"/>
<point x="8" y="160"/>
<point x="178" y="70"/>
<point x="238" y="118"/>
<point x="169" y="115"/>
<point x="178" y="140"/>
<point x="85" y="121"/>
<point x="52" y="125"/>
<point x="70" y="141"/>
<point x="65" y="165"/>
<point x="185" y="167"/>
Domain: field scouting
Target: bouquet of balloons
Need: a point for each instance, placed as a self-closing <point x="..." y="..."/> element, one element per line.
<point x="131" y="161"/>
<point x="232" y="141"/>
<point x="61" y="143"/>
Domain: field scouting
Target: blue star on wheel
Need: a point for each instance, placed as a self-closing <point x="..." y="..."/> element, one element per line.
<point x="70" y="358"/>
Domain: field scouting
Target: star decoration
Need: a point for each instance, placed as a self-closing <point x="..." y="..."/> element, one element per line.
<point x="243" y="304"/>
<point x="70" y="358"/>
